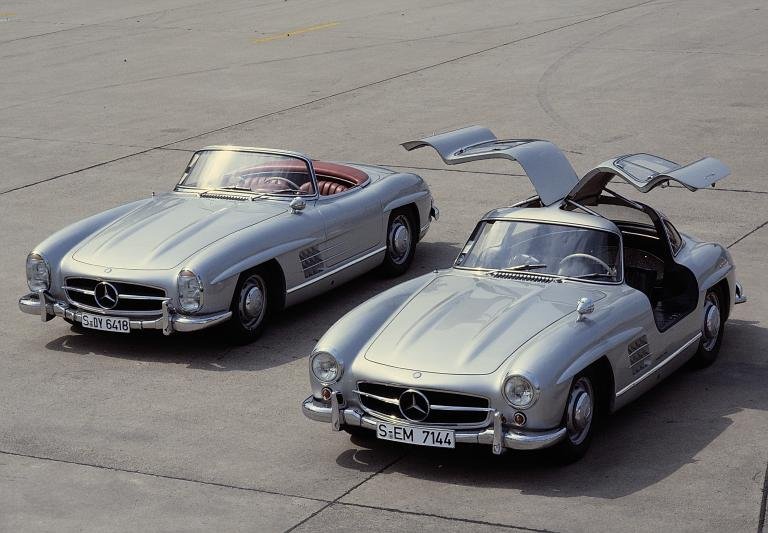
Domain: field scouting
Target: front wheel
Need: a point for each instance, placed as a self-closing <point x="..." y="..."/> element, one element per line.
<point x="712" y="329"/>
<point x="579" y="418"/>
<point x="250" y="307"/>
<point x="401" y="242"/>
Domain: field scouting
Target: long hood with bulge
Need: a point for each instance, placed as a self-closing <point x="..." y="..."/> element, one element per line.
<point x="470" y="324"/>
<point x="169" y="229"/>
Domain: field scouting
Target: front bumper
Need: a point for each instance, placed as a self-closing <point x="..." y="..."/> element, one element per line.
<point x="496" y="435"/>
<point x="168" y="322"/>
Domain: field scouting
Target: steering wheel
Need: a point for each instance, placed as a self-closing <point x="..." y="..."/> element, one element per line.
<point x="274" y="179"/>
<point x="584" y="256"/>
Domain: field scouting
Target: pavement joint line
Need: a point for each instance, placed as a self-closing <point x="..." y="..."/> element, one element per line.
<point x="417" y="70"/>
<point x="754" y="230"/>
<point x="444" y="517"/>
<point x="328" y="503"/>
<point x="95" y="165"/>
<point x="164" y="476"/>
<point x="334" y="95"/>
<point x="763" y="504"/>
<point x="346" y="493"/>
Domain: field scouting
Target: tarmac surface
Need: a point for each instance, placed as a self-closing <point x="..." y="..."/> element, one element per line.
<point x="100" y="104"/>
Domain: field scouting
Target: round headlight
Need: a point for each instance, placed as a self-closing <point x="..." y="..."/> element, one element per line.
<point x="38" y="273"/>
<point x="190" y="291"/>
<point x="519" y="392"/>
<point x="325" y="367"/>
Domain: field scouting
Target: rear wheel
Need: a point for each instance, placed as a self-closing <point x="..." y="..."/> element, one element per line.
<point x="401" y="242"/>
<point x="712" y="329"/>
<point x="250" y="307"/>
<point x="579" y="419"/>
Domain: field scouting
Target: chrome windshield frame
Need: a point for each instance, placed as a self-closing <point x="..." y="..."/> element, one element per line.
<point x="265" y="151"/>
<point x="619" y="270"/>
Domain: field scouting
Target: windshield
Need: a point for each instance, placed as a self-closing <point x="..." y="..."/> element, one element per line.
<point x="545" y="248"/>
<point x="249" y="172"/>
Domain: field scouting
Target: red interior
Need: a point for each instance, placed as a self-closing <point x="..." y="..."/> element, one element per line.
<point x="332" y="178"/>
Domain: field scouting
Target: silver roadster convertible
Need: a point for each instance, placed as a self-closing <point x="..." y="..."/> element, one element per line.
<point x="246" y="232"/>
<point x="569" y="304"/>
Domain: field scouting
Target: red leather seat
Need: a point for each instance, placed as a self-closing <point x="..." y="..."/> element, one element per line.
<point x="338" y="172"/>
<point x="328" y="188"/>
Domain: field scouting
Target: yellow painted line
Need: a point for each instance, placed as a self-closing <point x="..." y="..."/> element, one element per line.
<point x="6" y="15"/>
<point x="295" y="32"/>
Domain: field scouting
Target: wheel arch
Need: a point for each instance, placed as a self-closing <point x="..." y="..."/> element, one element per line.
<point x="276" y="276"/>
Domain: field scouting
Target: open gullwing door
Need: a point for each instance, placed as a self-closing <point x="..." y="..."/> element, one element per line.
<point x="546" y="166"/>
<point x="646" y="171"/>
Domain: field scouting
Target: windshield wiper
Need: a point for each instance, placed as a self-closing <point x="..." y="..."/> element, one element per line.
<point x="594" y="275"/>
<point x="235" y="188"/>
<point x="519" y="268"/>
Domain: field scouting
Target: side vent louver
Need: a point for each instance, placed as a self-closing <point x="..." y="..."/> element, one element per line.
<point x="638" y="355"/>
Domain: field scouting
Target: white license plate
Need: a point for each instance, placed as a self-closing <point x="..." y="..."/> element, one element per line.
<point x="439" y="438"/>
<point x="107" y="323"/>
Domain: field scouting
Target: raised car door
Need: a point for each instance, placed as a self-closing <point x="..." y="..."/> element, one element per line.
<point x="646" y="171"/>
<point x="353" y="226"/>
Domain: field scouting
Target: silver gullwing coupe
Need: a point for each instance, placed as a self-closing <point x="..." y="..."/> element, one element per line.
<point x="245" y="232"/>
<point x="569" y="304"/>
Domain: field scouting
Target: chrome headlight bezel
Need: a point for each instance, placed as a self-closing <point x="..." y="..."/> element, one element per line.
<point x="38" y="279"/>
<point x="328" y="357"/>
<point x="527" y="382"/>
<point x="190" y="291"/>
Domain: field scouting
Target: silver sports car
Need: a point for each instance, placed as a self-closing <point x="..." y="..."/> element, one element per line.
<point x="568" y="304"/>
<point x="246" y="232"/>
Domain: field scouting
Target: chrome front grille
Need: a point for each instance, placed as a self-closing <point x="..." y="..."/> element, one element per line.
<point x="131" y="298"/>
<point x="447" y="409"/>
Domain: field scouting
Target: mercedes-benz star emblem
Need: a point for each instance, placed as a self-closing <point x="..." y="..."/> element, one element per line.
<point x="105" y="295"/>
<point x="414" y="405"/>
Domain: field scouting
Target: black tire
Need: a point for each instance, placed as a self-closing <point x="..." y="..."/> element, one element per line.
<point x="713" y="329"/>
<point x="579" y="419"/>
<point x="401" y="242"/>
<point x="252" y="305"/>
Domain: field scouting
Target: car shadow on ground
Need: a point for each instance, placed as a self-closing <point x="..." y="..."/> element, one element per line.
<point x="634" y="448"/>
<point x="290" y="336"/>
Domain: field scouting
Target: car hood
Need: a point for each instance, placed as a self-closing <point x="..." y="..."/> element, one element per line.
<point x="170" y="228"/>
<point x="470" y="324"/>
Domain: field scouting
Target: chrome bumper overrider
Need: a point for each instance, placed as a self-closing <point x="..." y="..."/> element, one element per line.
<point x="496" y="436"/>
<point x="168" y="322"/>
<point x="740" y="296"/>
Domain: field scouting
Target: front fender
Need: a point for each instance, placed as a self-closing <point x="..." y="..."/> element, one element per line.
<point x="352" y="332"/>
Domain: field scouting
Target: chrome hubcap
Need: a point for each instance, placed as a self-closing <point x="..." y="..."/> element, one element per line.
<point x="252" y="302"/>
<point x="580" y="410"/>
<point x="399" y="239"/>
<point x="711" y="328"/>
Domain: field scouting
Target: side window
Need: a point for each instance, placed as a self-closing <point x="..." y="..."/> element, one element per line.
<point x="675" y="240"/>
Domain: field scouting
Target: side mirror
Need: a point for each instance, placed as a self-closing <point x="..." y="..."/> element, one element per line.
<point x="584" y="307"/>
<point x="297" y="205"/>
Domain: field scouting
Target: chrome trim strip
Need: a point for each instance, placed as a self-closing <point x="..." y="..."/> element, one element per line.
<point x="633" y="352"/>
<point x="459" y="408"/>
<point x="75" y="289"/>
<point x="660" y="365"/>
<point x="391" y="401"/>
<point x="137" y="297"/>
<point x="336" y="270"/>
